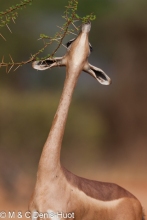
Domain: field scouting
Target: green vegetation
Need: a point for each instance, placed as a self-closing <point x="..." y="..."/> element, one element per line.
<point x="11" y="13"/>
<point x="70" y="16"/>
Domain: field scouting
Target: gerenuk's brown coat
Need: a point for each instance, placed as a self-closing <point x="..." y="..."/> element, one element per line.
<point x="57" y="190"/>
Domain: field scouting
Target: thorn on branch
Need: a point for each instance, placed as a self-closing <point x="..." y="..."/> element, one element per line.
<point x="11" y="58"/>
<point x="9" y="28"/>
<point x="10" y="68"/>
<point x="13" y="20"/>
<point x="2" y="36"/>
<point x="75" y="26"/>
<point x="17" y="68"/>
<point x="2" y="59"/>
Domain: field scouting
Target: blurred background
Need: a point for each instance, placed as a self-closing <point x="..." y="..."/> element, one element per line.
<point x="106" y="132"/>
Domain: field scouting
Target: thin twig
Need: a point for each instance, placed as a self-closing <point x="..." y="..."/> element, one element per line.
<point x="15" y="8"/>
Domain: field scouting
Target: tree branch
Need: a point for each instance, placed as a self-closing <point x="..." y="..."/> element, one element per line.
<point x="70" y="17"/>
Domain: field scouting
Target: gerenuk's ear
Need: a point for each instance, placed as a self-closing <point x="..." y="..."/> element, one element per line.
<point x="98" y="74"/>
<point x="48" y="63"/>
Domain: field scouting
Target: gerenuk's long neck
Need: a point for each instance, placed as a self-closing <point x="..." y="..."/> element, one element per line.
<point x="50" y="158"/>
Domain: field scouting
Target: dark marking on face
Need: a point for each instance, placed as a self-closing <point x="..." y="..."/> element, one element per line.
<point x="70" y="42"/>
<point x="91" y="49"/>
